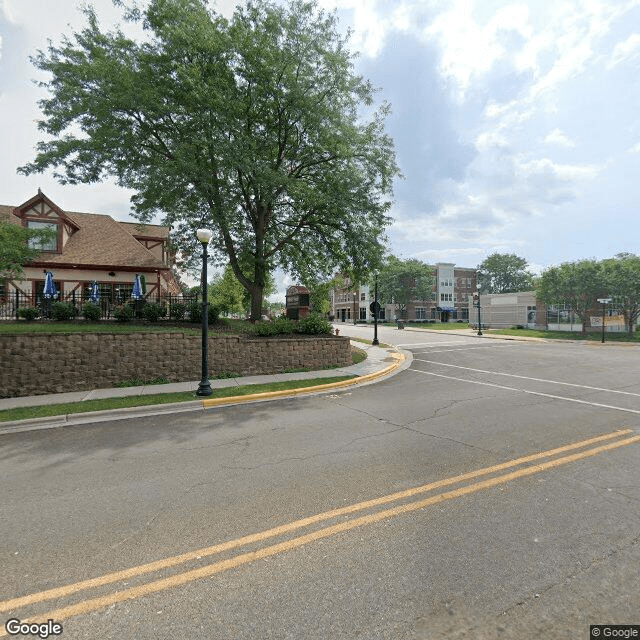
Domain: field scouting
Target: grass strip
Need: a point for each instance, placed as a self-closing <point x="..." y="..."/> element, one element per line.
<point x="365" y="341"/>
<point x="12" y="328"/>
<point x="439" y="326"/>
<point x="26" y="413"/>
<point x="592" y="336"/>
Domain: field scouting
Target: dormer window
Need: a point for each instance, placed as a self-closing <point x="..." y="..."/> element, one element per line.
<point x="44" y="244"/>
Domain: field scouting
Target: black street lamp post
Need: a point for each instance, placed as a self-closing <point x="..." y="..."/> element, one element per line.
<point x="375" y="312"/>
<point x="479" y="320"/>
<point x="604" y="302"/>
<point x="204" y="388"/>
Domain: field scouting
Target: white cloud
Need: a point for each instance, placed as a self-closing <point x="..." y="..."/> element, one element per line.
<point x="625" y="51"/>
<point x="563" y="172"/>
<point x="558" y="138"/>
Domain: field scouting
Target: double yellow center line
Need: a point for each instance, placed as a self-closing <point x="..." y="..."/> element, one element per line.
<point x="529" y="465"/>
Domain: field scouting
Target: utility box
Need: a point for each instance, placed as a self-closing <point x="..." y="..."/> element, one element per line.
<point x="298" y="302"/>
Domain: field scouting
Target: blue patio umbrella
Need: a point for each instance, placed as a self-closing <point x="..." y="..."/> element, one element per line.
<point x="50" y="290"/>
<point x="137" y="288"/>
<point x="94" y="294"/>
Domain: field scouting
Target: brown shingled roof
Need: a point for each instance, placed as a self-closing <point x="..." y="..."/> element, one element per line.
<point x="102" y="240"/>
<point x="146" y="230"/>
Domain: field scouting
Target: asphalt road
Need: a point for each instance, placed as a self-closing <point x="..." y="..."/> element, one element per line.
<point x="491" y="490"/>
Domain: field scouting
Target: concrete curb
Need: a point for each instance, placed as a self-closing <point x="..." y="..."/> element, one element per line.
<point x="361" y="380"/>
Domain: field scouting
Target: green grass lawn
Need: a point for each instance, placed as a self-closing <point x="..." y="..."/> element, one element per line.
<point x="439" y="326"/>
<point x="365" y="341"/>
<point x="592" y="336"/>
<point x="54" y="326"/>
<point x="24" y="413"/>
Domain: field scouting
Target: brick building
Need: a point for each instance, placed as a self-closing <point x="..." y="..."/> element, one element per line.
<point x="450" y="300"/>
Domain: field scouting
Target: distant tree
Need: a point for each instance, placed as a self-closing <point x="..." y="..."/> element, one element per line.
<point x="18" y="246"/>
<point x="320" y="295"/>
<point x="578" y="284"/>
<point x="504" y="273"/>
<point x="258" y="127"/>
<point x="401" y="281"/>
<point x="621" y="276"/>
<point x="227" y="294"/>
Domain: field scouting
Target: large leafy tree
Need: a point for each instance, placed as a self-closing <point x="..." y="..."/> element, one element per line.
<point x="258" y="127"/>
<point x="578" y="284"/>
<point x="504" y="273"/>
<point x="622" y="282"/>
<point x="402" y="281"/>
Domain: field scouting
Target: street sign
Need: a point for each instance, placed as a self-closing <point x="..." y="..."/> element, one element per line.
<point x="375" y="307"/>
<point x="605" y="300"/>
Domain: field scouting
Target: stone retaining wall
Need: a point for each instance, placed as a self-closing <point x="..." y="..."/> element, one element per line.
<point x="33" y="364"/>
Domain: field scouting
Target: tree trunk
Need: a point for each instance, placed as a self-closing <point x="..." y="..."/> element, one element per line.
<point x="256" y="303"/>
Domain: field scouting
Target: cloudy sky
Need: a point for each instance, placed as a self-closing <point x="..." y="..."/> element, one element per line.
<point x="516" y="122"/>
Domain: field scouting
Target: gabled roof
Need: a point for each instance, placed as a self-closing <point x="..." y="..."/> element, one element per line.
<point x="99" y="239"/>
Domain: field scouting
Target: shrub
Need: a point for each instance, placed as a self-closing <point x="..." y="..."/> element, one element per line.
<point x="194" y="310"/>
<point x="285" y="325"/>
<point x="91" y="312"/>
<point x="314" y="324"/>
<point x="265" y="328"/>
<point x="123" y="313"/>
<point x="177" y="310"/>
<point x="63" y="311"/>
<point x="29" y="313"/>
<point x="153" y="312"/>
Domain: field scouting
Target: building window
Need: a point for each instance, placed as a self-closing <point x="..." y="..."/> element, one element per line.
<point x="446" y="297"/>
<point x="3" y="290"/>
<point x="363" y="313"/>
<point x="43" y="244"/>
<point x="363" y="296"/>
<point x="421" y="313"/>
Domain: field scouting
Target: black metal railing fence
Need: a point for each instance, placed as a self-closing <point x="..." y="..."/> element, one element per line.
<point x="175" y="307"/>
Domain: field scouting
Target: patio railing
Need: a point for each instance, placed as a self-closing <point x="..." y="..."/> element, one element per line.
<point x="11" y="304"/>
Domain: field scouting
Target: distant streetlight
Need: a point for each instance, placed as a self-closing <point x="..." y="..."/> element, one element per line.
<point x="477" y="296"/>
<point x="204" y="388"/>
<point x="604" y="302"/>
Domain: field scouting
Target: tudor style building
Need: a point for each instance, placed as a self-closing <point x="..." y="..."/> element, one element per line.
<point x="90" y="247"/>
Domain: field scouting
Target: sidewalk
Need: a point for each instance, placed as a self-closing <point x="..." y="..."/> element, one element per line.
<point x="380" y="363"/>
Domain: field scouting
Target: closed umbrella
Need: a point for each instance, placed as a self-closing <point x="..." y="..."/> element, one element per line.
<point x="94" y="294"/>
<point x="50" y="290"/>
<point x="137" y="288"/>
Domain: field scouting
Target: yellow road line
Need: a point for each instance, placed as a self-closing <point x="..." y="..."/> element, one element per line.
<point x="246" y="558"/>
<point x="213" y="402"/>
<point x="165" y="563"/>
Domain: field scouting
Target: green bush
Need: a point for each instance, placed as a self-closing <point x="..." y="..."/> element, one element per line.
<point x="285" y="325"/>
<point x="29" y="313"/>
<point x="123" y="313"/>
<point x="265" y="328"/>
<point x="314" y="324"/>
<point x="63" y="311"/>
<point x="153" y="312"/>
<point x="194" y="311"/>
<point x="91" y="311"/>
<point x="177" y="310"/>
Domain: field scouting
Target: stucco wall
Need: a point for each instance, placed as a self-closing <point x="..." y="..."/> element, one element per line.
<point x="33" y="364"/>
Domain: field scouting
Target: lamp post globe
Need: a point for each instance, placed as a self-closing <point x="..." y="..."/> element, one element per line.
<point x="204" y="388"/>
